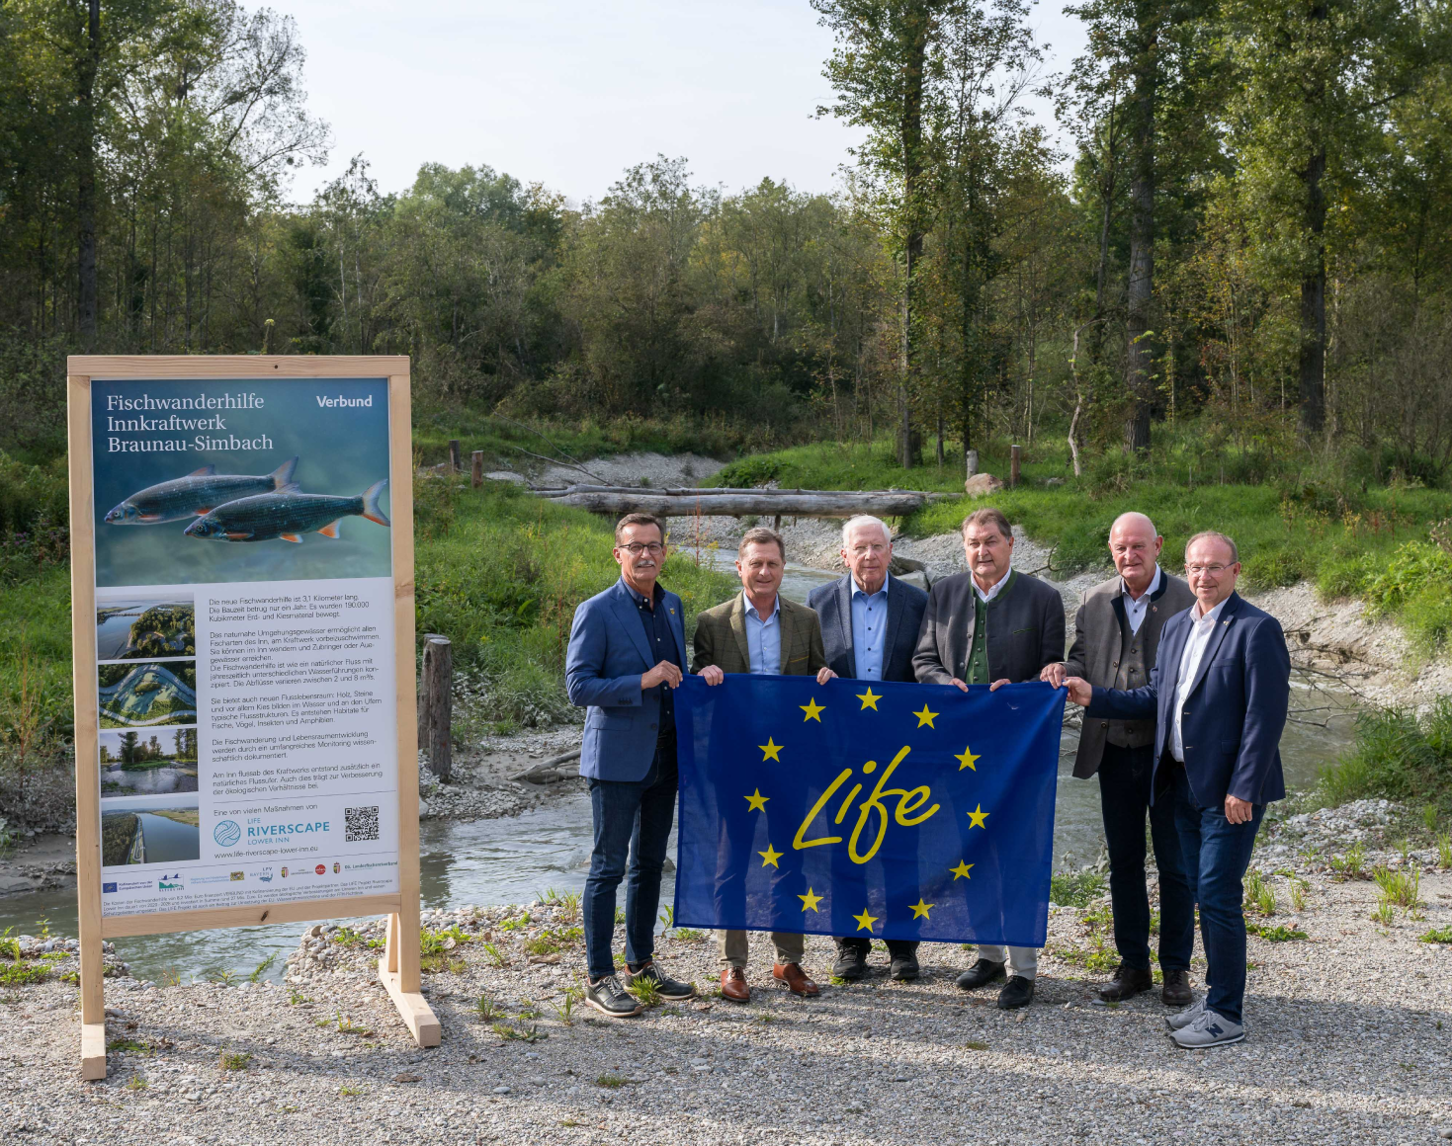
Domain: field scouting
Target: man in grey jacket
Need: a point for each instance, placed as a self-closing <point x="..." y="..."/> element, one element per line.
<point x="1116" y="638"/>
<point x="991" y="625"/>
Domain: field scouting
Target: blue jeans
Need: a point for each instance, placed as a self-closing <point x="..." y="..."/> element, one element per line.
<point x="1124" y="797"/>
<point x="1216" y="854"/>
<point x="632" y="820"/>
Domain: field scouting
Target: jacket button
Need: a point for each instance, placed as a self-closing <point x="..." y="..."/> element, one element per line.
<point x="1104" y="724"/>
<point x="1115" y="665"/>
<point x="652" y="725"/>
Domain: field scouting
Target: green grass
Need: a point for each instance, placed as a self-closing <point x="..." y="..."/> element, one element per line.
<point x="1397" y="755"/>
<point x="1278" y="934"/>
<point x="1317" y="522"/>
<point x="1444" y="935"/>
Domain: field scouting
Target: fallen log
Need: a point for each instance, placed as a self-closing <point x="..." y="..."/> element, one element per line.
<point x="740" y="503"/>
<point x="547" y="771"/>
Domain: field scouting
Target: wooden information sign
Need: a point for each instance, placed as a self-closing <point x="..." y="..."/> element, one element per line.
<point x="243" y="623"/>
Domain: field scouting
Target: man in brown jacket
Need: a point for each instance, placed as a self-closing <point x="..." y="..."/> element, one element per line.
<point x="759" y="631"/>
<point x="1117" y="634"/>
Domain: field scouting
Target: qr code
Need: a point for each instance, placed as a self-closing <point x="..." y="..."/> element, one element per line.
<point x="361" y="824"/>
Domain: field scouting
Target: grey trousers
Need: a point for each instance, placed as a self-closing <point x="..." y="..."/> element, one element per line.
<point x="789" y="948"/>
<point x="1022" y="961"/>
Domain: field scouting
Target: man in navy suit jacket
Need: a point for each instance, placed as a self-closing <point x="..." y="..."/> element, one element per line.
<point x="1219" y="691"/>
<point x="870" y="625"/>
<point x="627" y="653"/>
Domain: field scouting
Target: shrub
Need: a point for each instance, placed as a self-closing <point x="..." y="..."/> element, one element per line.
<point x="1398" y="756"/>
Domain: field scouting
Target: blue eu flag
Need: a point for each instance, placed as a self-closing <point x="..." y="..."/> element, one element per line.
<point x="897" y="811"/>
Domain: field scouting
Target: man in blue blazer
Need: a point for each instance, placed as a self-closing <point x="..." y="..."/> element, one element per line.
<point x="627" y="653"/>
<point x="1219" y="692"/>
<point x="870" y="625"/>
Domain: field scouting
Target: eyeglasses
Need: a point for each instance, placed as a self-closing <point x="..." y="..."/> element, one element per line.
<point x="1213" y="570"/>
<point x="636" y="548"/>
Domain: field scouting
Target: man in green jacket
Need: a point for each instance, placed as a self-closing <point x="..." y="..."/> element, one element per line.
<point x="759" y="631"/>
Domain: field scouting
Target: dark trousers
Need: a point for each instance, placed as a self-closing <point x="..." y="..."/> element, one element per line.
<point x="1124" y="797"/>
<point x="632" y="820"/>
<point x="1217" y="853"/>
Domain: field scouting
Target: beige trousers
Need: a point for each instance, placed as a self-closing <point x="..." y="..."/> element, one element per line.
<point x="1021" y="960"/>
<point x="789" y="948"/>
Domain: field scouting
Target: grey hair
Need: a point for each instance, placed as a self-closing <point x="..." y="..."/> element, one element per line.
<point x="865" y="519"/>
<point x="1213" y="535"/>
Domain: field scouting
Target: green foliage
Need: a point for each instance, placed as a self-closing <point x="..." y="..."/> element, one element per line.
<point x="1277" y="934"/>
<point x="1399" y="888"/>
<point x="1352" y="865"/>
<point x="1397" y="755"/>
<point x="1077" y="888"/>
<point x="22" y="974"/>
<point x="1259" y="895"/>
<point x="1444" y="935"/>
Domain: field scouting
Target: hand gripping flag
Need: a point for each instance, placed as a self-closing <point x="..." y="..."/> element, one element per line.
<point x="896" y="811"/>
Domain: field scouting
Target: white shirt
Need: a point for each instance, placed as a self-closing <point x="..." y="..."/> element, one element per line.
<point x="993" y="589"/>
<point x="1200" y="629"/>
<point x="1134" y="611"/>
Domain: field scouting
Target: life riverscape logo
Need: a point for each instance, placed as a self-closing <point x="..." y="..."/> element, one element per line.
<point x="227" y="833"/>
<point x="281" y="833"/>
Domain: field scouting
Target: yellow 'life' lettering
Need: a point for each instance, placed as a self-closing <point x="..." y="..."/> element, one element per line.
<point x="907" y="813"/>
<point x="797" y="841"/>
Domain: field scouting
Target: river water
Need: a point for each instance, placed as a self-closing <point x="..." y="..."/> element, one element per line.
<point x="511" y="860"/>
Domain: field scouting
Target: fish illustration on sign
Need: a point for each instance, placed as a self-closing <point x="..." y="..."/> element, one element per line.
<point x="199" y="492"/>
<point x="287" y="514"/>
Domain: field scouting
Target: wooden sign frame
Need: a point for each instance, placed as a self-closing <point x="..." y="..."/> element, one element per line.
<point x="399" y="968"/>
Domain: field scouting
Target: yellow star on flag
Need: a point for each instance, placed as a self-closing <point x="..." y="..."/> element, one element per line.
<point x="920" y="909"/>
<point x="926" y="717"/>
<point x="978" y="816"/>
<point x="810" y="900"/>
<point x="770" y="856"/>
<point x="812" y="710"/>
<point x="771" y="751"/>
<point x="961" y="870"/>
<point x="756" y="802"/>
<point x="869" y="699"/>
<point x="865" y="921"/>
<point x="966" y="760"/>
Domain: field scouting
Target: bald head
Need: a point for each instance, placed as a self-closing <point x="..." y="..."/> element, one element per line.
<point x="1135" y="548"/>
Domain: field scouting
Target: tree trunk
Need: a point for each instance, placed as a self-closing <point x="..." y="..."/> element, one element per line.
<point x="1139" y="367"/>
<point x="917" y="23"/>
<point x="1313" y="301"/>
<point x="87" y="67"/>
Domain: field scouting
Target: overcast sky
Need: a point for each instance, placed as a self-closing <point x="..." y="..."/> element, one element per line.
<point x="571" y="92"/>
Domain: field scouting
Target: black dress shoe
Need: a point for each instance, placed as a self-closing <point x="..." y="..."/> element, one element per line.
<point x="904" y="967"/>
<point x="1176" y="992"/>
<point x="1127" y="983"/>
<point x="980" y="974"/>
<point x="1017" y="992"/>
<point x="851" y="963"/>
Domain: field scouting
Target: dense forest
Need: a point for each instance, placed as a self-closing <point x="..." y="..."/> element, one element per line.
<point x="1249" y="236"/>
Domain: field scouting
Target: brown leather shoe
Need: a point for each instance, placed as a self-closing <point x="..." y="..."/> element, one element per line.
<point x="1176" y="992"/>
<point x="733" y="985"/>
<point x="1126" y="984"/>
<point x="795" y="979"/>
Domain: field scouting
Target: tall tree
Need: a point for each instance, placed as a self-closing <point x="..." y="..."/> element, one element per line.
<point x="880" y="68"/>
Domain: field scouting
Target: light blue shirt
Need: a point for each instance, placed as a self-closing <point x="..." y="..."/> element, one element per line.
<point x="869" y="630"/>
<point x="763" y="638"/>
<point x="1134" y="611"/>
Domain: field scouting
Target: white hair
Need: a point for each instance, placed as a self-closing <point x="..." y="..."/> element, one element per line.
<point x="865" y="519"/>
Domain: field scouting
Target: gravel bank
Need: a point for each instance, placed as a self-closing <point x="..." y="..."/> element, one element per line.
<point x="1350" y="1042"/>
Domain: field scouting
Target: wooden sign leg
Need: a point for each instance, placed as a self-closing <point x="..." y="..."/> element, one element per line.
<point x="93" y="1006"/>
<point x="399" y="971"/>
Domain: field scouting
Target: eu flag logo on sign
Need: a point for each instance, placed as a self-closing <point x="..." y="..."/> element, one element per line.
<point x="896" y="811"/>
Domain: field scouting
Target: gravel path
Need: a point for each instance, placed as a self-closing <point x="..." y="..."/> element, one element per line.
<point x="1350" y="1042"/>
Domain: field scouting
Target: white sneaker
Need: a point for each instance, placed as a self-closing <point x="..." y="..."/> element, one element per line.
<point x="1209" y="1030"/>
<point x="1182" y="1019"/>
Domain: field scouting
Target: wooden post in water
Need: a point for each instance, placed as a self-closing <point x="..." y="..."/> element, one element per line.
<point x="436" y="705"/>
<point x="477" y="468"/>
<point x="455" y="461"/>
<point x="1013" y="460"/>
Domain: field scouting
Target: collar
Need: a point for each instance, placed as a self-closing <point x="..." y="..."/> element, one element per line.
<point x="1213" y="615"/>
<point x="1149" y="593"/>
<point x="751" y="612"/>
<point x="859" y="591"/>
<point x="994" y="590"/>
<point x="639" y="598"/>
